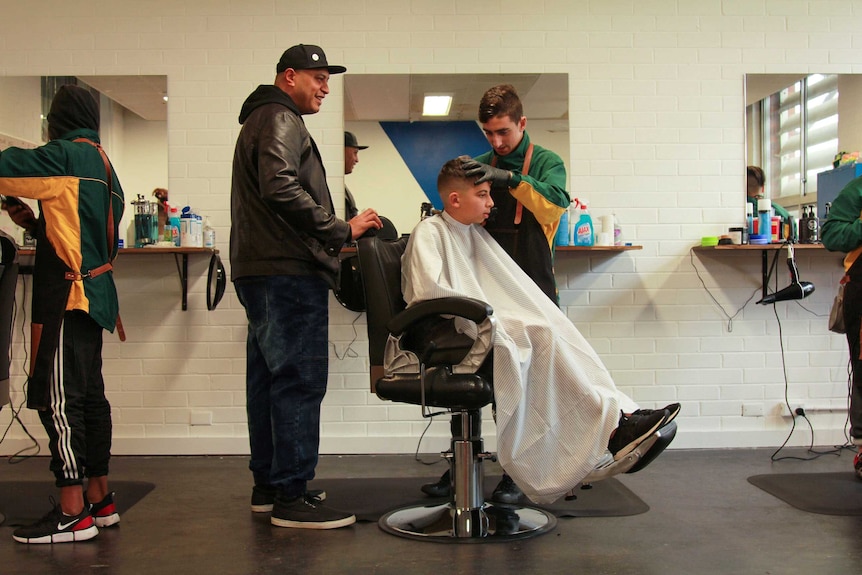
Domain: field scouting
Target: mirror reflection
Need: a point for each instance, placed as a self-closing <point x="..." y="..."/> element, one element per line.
<point x="397" y="171"/>
<point x="793" y="134"/>
<point x="133" y="126"/>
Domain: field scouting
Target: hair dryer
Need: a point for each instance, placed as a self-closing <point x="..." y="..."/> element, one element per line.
<point x="796" y="289"/>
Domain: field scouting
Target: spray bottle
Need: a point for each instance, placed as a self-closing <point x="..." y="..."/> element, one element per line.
<point x="562" y="237"/>
<point x="584" y="231"/>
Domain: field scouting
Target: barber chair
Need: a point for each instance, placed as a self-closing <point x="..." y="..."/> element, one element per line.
<point x="417" y="357"/>
<point x="8" y="284"/>
<point x="425" y="363"/>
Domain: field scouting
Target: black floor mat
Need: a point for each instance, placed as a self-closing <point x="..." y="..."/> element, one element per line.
<point x="369" y="498"/>
<point x="23" y="502"/>
<point x="825" y="493"/>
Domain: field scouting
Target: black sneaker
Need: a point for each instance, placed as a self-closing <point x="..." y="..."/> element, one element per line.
<point x="632" y="430"/>
<point x="104" y="512"/>
<point x="439" y="489"/>
<point x="263" y="496"/>
<point x="507" y="491"/>
<point x="306" y="512"/>
<point x="57" y="527"/>
<point x="672" y="410"/>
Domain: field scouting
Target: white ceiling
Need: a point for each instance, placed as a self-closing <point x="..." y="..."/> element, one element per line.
<point x="143" y="95"/>
<point x="398" y="97"/>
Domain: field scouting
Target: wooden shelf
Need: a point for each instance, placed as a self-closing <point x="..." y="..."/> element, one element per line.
<point x="596" y="248"/>
<point x="764" y="251"/>
<point x="181" y="257"/>
<point x="752" y="248"/>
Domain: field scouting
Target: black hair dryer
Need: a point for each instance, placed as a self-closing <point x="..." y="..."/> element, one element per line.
<point x="796" y="289"/>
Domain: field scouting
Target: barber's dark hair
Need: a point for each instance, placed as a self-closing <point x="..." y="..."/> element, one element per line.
<point x="757" y="174"/>
<point x="501" y="100"/>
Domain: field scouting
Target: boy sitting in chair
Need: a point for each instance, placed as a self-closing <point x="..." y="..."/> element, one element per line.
<point x="559" y="415"/>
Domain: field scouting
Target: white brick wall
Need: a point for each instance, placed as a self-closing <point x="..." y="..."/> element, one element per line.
<point x="656" y="133"/>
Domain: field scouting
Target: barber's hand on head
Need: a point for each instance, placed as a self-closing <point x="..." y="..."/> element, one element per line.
<point x="20" y="213"/>
<point x="485" y="173"/>
<point x="366" y="220"/>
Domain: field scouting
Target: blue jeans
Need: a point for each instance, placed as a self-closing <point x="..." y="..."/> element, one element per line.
<point x="287" y="365"/>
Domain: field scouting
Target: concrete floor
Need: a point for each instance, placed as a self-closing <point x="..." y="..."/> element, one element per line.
<point x="704" y="517"/>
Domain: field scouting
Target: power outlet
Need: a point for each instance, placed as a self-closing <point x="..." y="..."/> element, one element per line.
<point x="752" y="410"/>
<point x="201" y="418"/>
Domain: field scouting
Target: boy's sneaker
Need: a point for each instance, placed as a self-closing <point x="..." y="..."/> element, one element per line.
<point x="857" y="464"/>
<point x="104" y="512"/>
<point x="672" y="410"/>
<point x="263" y="496"/>
<point x="57" y="527"/>
<point x="633" y="429"/>
<point x="306" y="512"/>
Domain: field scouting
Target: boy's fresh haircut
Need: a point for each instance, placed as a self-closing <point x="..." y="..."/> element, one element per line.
<point x="501" y="100"/>
<point x="450" y="173"/>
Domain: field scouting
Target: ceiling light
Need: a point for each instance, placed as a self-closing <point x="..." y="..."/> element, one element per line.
<point x="437" y="104"/>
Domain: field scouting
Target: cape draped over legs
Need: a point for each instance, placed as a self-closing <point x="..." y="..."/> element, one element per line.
<point x="556" y="403"/>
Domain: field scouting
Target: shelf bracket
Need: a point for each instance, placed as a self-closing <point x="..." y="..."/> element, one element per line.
<point x="183" y="271"/>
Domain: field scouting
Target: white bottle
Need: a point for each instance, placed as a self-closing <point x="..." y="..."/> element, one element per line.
<point x="209" y="233"/>
<point x="618" y="232"/>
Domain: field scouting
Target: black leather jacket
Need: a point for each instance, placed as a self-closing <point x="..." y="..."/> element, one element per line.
<point x="282" y="217"/>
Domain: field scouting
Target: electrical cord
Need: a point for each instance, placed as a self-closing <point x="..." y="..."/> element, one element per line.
<point x="21" y="455"/>
<point x="794" y="413"/>
<point x="348" y="351"/>
<point x="799" y="412"/>
<point x="715" y="301"/>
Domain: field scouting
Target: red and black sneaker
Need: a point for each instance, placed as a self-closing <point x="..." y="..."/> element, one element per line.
<point x="857" y="464"/>
<point x="104" y="512"/>
<point x="57" y="527"/>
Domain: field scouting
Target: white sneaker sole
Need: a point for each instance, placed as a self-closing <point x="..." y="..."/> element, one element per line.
<point x="64" y="537"/>
<point x="313" y="524"/>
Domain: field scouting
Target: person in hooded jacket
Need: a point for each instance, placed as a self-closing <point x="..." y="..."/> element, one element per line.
<point x="74" y="299"/>
<point x="284" y="246"/>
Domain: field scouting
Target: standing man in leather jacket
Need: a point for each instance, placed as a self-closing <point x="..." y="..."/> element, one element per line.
<point x="284" y="246"/>
<point x="528" y="186"/>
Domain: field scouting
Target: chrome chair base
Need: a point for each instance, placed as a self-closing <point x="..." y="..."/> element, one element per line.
<point x="444" y="524"/>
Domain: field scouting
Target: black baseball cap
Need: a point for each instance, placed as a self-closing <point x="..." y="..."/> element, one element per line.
<point x="306" y="57"/>
<point x="351" y="142"/>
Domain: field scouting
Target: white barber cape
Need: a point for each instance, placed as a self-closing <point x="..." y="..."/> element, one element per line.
<point x="556" y="402"/>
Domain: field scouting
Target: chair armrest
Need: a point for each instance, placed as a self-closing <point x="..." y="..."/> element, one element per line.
<point x="469" y="308"/>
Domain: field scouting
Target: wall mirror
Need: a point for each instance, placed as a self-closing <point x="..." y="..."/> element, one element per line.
<point x="133" y="126"/>
<point x="795" y="125"/>
<point x="384" y="111"/>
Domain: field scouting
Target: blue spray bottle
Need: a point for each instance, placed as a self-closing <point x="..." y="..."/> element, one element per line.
<point x="562" y="238"/>
<point x="584" y="231"/>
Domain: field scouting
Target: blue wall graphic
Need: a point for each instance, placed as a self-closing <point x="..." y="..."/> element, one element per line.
<point x="426" y="146"/>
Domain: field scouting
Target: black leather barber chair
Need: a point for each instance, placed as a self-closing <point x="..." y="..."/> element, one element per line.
<point x="424" y="359"/>
<point x="8" y="284"/>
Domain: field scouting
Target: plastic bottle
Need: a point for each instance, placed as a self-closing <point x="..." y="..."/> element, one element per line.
<point x="804" y="234"/>
<point x="209" y="233"/>
<point x="174" y="221"/>
<point x="764" y="218"/>
<point x="562" y="237"/>
<point x="618" y="232"/>
<point x="584" y="234"/>
<point x="186" y="229"/>
<point x="749" y="218"/>
<point x="813" y="226"/>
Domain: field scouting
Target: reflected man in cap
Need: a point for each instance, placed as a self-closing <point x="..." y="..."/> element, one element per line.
<point x="284" y="245"/>
<point x="351" y="158"/>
